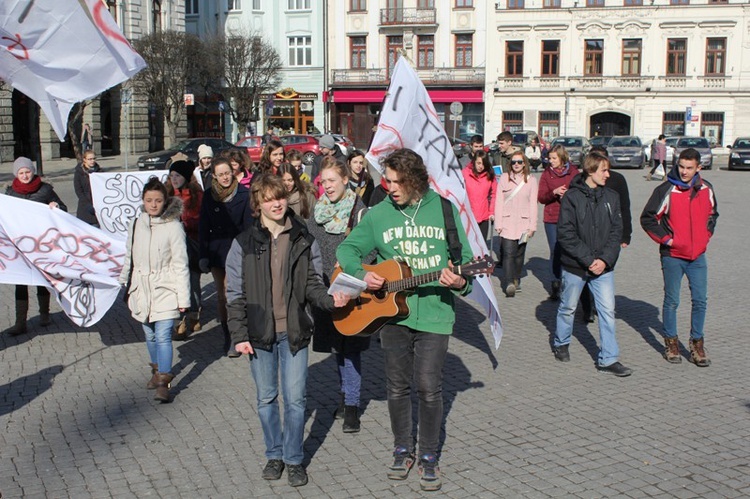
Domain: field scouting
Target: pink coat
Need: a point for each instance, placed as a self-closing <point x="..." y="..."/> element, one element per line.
<point x="481" y="193"/>
<point x="519" y="215"/>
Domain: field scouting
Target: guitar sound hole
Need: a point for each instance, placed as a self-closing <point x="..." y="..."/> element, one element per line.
<point x="379" y="294"/>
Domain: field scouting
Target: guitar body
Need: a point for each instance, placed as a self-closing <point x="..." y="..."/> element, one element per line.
<point x="363" y="316"/>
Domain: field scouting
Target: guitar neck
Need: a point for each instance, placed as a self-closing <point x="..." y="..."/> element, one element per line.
<point x="415" y="281"/>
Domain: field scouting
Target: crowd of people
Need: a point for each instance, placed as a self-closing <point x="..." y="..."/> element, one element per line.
<point x="271" y="235"/>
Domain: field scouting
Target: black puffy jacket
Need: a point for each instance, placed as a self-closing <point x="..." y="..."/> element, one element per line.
<point x="45" y="194"/>
<point x="589" y="227"/>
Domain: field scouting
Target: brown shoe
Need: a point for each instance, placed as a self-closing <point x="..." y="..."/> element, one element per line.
<point x="698" y="353"/>
<point x="151" y="385"/>
<point x="163" y="384"/>
<point x="672" y="350"/>
<point x="180" y="331"/>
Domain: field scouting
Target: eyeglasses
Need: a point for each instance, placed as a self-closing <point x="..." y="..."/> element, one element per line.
<point x="516" y="161"/>
<point x="92" y="158"/>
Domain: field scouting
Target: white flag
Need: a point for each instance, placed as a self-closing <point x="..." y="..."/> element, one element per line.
<point x="61" y="52"/>
<point x="408" y="119"/>
<point x="48" y="247"/>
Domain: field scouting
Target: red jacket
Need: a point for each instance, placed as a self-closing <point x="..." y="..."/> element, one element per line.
<point x="191" y="212"/>
<point x="685" y="214"/>
<point x="481" y="193"/>
<point x="550" y="180"/>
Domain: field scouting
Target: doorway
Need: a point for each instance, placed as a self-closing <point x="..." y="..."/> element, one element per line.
<point x="609" y="123"/>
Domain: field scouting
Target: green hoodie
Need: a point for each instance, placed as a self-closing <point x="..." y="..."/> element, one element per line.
<point x="423" y="246"/>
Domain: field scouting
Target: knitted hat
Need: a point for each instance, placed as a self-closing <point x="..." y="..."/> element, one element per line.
<point x="205" y="151"/>
<point x="327" y="141"/>
<point x="23" y="162"/>
<point x="184" y="168"/>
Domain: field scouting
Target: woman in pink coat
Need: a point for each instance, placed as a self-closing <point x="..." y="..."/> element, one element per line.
<point x="480" y="188"/>
<point x="515" y="218"/>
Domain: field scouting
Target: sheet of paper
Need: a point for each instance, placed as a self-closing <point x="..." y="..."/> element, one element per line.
<point x="349" y="285"/>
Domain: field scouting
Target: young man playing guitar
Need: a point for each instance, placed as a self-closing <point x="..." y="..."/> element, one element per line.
<point x="410" y="225"/>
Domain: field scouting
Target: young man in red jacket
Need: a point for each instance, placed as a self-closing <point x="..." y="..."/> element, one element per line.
<point x="681" y="216"/>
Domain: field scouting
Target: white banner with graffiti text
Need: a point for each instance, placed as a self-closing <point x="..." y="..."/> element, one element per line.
<point x="408" y="120"/>
<point x="79" y="263"/>
<point x="117" y="198"/>
<point x="61" y="52"/>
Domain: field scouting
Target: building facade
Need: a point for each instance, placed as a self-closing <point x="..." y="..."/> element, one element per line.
<point x="445" y="40"/>
<point x="619" y="67"/>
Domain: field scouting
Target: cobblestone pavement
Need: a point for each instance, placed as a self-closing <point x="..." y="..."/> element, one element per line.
<point x="77" y="420"/>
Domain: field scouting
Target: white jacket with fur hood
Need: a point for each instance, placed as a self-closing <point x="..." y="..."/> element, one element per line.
<point x="160" y="284"/>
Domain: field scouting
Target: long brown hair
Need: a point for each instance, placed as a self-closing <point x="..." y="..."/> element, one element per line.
<point x="486" y="162"/>
<point x="264" y="165"/>
<point x="411" y="170"/>
<point x="299" y="187"/>
<point x="526" y="169"/>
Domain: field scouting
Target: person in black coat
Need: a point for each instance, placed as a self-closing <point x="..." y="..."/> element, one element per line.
<point x="82" y="187"/>
<point x="27" y="185"/>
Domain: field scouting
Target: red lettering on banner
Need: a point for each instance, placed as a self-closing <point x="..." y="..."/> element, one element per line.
<point x="21" y="53"/>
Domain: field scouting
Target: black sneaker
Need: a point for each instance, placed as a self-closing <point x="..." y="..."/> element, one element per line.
<point x="296" y="475"/>
<point x="556" y="288"/>
<point x="429" y="473"/>
<point x="617" y="369"/>
<point x="403" y="460"/>
<point x="562" y="354"/>
<point x="273" y="470"/>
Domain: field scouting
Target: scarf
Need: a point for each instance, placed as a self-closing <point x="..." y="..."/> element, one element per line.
<point x="30" y="188"/>
<point x="561" y="172"/>
<point x="223" y="194"/>
<point x="334" y="217"/>
<point x="677" y="181"/>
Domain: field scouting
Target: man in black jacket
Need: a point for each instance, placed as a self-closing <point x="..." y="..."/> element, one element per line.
<point x="589" y="232"/>
<point x="271" y="280"/>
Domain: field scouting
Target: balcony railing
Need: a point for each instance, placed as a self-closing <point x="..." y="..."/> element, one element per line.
<point x="379" y="76"/>
<point x="396" y="17"/>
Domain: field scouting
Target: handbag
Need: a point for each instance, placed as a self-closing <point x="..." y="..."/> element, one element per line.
<point x="659" y="172"/>
<point x="130" y="272"/>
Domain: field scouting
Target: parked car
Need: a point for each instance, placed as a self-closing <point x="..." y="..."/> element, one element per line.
<point x="626" y="152"/>
<point x="158" y="160"/>
<point x="254" y="145"/>
<point x="648" y="150"/>
<point x="739" y="158"/>
<point x="576" y="146"/>
<point x="305" y="144"/>
<point x="599" y="140"/>
<point x="700" y="144"/>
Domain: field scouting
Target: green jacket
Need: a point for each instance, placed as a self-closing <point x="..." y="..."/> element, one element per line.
<point x="423" y="247"/>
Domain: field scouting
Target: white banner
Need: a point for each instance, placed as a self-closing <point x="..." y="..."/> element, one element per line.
<point x="117" y="198"/>
<point x="408" y="119"/>
<point x="48" y="247"/>
<point x="61" y="52"/>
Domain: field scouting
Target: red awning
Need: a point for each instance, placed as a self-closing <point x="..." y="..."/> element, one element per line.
<point x="463" y="96"/>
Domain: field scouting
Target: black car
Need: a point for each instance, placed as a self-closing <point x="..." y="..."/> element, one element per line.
<point x="189" y="147"/>
<point x="739" y="158"/>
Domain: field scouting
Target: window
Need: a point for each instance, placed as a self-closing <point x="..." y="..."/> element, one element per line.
<point x="594" y="3"/>
<point x="718" y="1"/>
<point x="712" y="128"/>
<point x="551" y="4"/>
<point x="112" y="7"/>
<point x="426" y="51"/>
<point x="464" y="3"/>
<point x="394" y="44"/>
<point x="191" y="7"/>
<point x="549" y="125"/>
<point x="716" y="56"/>
<point x="676" y="56"/>
<point x="156" y="15"/>
<point x="515" y="4"/>
<point x="426" y="4"/>
<point x="593" y="57"/>
<point x="512" y="121"/>
<point x="299" y="5"/>
<point x="631" y="3"/>
<point x="300" y="51"/>
<point x="679" y="2"/>
<point x="631" y="57"/>
<point x="234" y="4"/>
<point x="357" y="5"/>
<point x="358" y="46"/>
<point x="673" y="123"/>
<point x="464" y="51"/>
<point x="514" y="59"/>
<point x="256" y="5"/>
<point x="550" y="57"/>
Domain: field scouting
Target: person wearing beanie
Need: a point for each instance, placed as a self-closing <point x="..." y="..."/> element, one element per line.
<point x="327" y="148"/>
<point x="183" y="184"/>
<point x="27" y="185"/>
<point x="205" y="157"/>
<point x="82" y="187"/>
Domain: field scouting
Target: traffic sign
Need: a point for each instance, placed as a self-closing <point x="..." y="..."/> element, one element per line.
<point x="456" y="108"/>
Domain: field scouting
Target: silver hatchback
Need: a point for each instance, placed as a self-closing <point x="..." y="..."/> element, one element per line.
<point x="700" y="144"/>
<point x="626" y="152"/>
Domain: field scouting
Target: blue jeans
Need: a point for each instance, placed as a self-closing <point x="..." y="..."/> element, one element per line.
<point x="603" y="289"/>
<point x="159" y="343"/>
<point x="350" y="375"/>
<point x="555" y="253"/>
<point x="265" y="366"/>
<point x="697" y="273"/>
<point x="418" y="355"/>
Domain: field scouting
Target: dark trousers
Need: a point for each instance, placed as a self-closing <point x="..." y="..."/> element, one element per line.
<point x="22" y="292"/>
<point x="513" y="257"/>
<point x="420" y="356"/>
<point x="658" y="162"/>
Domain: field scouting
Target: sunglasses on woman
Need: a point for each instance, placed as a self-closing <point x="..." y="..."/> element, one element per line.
<point x="516" y="161"/>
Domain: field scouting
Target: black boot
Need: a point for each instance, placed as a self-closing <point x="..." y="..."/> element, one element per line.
<point x="339" y="414"/>
<point x="351" y="419"/>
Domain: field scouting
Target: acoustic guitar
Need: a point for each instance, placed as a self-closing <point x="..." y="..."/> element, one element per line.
<point x="364" y="315"/>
